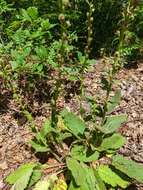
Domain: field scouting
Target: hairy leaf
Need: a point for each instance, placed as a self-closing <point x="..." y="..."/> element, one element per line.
<point x="99" y="182"/>
<point x="22" y="182"/>
<point x="73" y="123"/>
<point x="128" y="167"/>
<point x="38" y="147"/>
<point x="82" y="174"/>
<point x="36" y="175"/>
<point x="77" y="171"/>
<point x="21" y="172"/>
<point x="114" y="101"/>
<point x="73" y="186"/>
<point x="113" y="123"/>
<point x="112" y="143"/>
<point x="46" y="128"/>
<point x="79" y="152"/>
<point x="111" y="178"/>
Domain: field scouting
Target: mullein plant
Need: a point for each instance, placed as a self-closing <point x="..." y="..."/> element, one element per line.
<point x="116" y="61"/>
<point x="89" y="157"/>
<point x="87" y="50"/>
<point x="64" y="24"/>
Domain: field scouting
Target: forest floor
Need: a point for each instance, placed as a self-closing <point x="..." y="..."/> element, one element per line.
<point x="15" y="135"/>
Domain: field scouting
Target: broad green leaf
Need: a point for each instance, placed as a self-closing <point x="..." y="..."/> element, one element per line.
<point x="47" y="183"/>
<point x="90" y="179"/>
<point x="38" y="147"/>
<point x="73" y="123"/>
<point x="82" y="174"/>
<point x="112" y="143"/>
<point x="110" y="177"/>
<point x="78" y="172"/>
<point x="113" y="123"/>
<point x="92" y="157"/>
<point x="36" y="176"/>
<point x="99" y="183"/>
<point x="20" y="173"/>
<point x="40" y="141"/>
<point x="22" y="182"/>
<point x="73" y="186"/>
<point x="128" y="167"/>
<point x="79" y="152"/>
<point x="114" y="101"/>
<point x="46" y="128"/>
<point x="32" y="12"/>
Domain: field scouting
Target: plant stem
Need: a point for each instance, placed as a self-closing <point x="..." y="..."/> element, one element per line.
<point x="87" y="51"/>
<point x="61" y="53"/>
<point x="117" y="59"/>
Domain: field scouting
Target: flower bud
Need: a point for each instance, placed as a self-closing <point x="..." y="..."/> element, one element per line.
<point x="65" y="3"/>
<point x="68" y="23"/>
<point x="90" y="40"/>
<point x="91" y="32"/>
<point x="91" y="6"/>
<point x="87" y="14"/>
<point x="61" y="17"/>
<point x="91" y="19"/>
<point x="88" y="51"/>
<point x="93" y="10"/>
<point x="59" y="55"/>
<point x="89" y="28"/>
<point x="86" y="48"/>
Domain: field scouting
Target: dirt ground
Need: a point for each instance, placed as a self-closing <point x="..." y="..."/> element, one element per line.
<point x="15" y="137"/>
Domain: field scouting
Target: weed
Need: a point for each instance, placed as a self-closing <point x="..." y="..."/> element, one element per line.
<point x="86" y="152"/>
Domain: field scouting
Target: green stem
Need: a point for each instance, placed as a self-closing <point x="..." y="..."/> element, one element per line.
<point x="117" y="60"/>
<point x="87" y="52"/>
<point x="54" y="114"/>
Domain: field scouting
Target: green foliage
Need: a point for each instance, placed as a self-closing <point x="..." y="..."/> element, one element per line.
<point x="112" y="123"/>
<point x="24" y="176"/>
<point x="73" y="123"/>
<point x="82" y="174"/>
<point x="42" y="43"/>
<point x="114" y="101"/>
<point x="112" y="143"/>
<point x="129" y="167"/>
<point x="111" y="178"/>
<point x="81" y="153"/>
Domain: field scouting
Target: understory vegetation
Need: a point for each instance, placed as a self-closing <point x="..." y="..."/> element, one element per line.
<point x="45" y="45"/>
